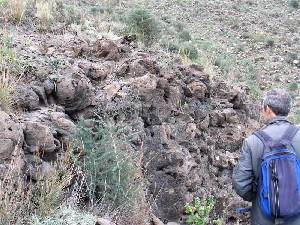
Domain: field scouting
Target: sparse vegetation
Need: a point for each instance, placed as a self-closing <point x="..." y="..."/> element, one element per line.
<point x="110" y="171"/>
<point x="188" y="51"/>
<point x="141" y="23"/>
<point x="199" y="211"/>
<point x="185" y="36"/>
<point x="225" y="62"/>
<point x="7" y="59"/>
<point x="293" y="87"/>
<point x="294" y="3"/>
<point x="291" y="57"/>
<point x="270" y="42"/>
<point x="17" y="9"/>
<point x="65" y="215"/>
<point x="5" y="90"/>
<point x="262" y="37"/>
<point x="295" y="118"/>
<point x="20" y="198"/>
<point x="44" y="11"/>
<point x="69" y="13"/>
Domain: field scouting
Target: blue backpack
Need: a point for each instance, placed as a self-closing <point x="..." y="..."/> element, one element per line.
<point x="279" y="176"/>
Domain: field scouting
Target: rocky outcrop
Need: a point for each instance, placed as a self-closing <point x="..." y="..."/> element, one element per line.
<point x="11" y="135"/>
<point x="189" y="127"/>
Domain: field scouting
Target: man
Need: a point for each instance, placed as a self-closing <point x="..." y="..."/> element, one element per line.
<point x="275" y="108"/>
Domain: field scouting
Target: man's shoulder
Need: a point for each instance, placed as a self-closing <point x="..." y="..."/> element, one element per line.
<point x="252" y="139"/>
<point x="297" y="136"/>
<point x="275" y="132"/>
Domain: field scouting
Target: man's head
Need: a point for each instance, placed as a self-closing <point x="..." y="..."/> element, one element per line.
<point x="276" y="102"/>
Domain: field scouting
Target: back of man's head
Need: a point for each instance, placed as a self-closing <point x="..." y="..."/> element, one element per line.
<point x="279" y="101"/>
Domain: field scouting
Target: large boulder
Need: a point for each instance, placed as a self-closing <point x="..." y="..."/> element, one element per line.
<point x="74" y="91"/>
<point x="39" y="138"/>
<point x="107" y="49"/>
<point x="96" y="71"/>
<point x="11" y="135"/>
<point x="26" y="98"/>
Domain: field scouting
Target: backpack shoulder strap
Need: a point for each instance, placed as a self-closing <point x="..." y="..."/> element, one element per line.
<point x="289" y="135"/>
<point x="266" y="139"/>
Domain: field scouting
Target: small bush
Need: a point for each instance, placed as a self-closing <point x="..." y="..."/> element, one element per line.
<point x="295" y="118"/>
<point x="225" y="62"/>
<point x="65" y="215"/>
<point x="270" y="42"/>
<point x="5" y="90"/>
<point x="110" y="171"/>
<point x="254" y="88"/>
<point x="188" y="50"/>
<point x="71" y="14"/>
<point x="173" y="47"/>
<point x="67" y="12"/>
<point x="185" y="36"/>
<point x="17" y="9"/>
<point x="7" y="63"/>
<point x="293" y="87"/>
<point x="294" y="4"/>
<point x="170" y="45"/>
<point x="199" y="211"/>
<point x="20" y="197"/>
<point x="141" y="23"/>
<point x="3" y="4"/>
<point x="266" y="38"/>
<point x="291" y="56"/>
<point x="44" y="11"/>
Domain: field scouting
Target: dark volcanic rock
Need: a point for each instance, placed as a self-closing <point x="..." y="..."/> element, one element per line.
<point x="189" y="127"/>
<point x="74" y="91"/>
<point x="26" y="98"/>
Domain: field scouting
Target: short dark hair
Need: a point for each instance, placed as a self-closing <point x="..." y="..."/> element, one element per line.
<point x="279" y="101"/>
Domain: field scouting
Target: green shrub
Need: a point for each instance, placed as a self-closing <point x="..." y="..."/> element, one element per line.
<point x="141" y="23"/>
<point x="65" y="215"/>
<point x="295" y="118"/>
<point x="293" y="87"/>
<point x="254" y="88"/>
<point x="199" y="211"/>
<point x="266" y="38"/>
<point x="294" y="4"/>
<point x="188" y="50"/>
<point x="225" y="62"/>
<point x="291" y="56"/>
<point x="270" y="42"/>
<point x="110" y="171"/>
<point x="7" y="54"/>
<point x="185" y="36"/>
<point x="173" y="47"/>
<point x="259" y="36"/>
<point x="3" y="3"/>
<point x="70" y="13"/>
<point x="250" y="76"/>
<point x="170" y="45"/>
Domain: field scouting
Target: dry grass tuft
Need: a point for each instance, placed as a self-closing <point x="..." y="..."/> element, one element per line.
<point x="17" y="9"/>
<point x="6" y="88"/>
<point x="22" y="198"/>
<point x="44" y="11"/>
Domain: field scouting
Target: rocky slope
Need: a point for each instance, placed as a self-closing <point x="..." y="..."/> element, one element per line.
<point x="190" y="128"/>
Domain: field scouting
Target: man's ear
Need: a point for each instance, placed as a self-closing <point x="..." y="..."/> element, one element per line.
<point x="269" y="110"/>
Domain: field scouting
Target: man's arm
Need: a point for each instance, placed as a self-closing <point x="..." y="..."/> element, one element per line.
<point x="243" y="174"/>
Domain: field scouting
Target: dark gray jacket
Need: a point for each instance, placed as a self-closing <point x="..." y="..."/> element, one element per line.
<point x="246" y="171"/>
